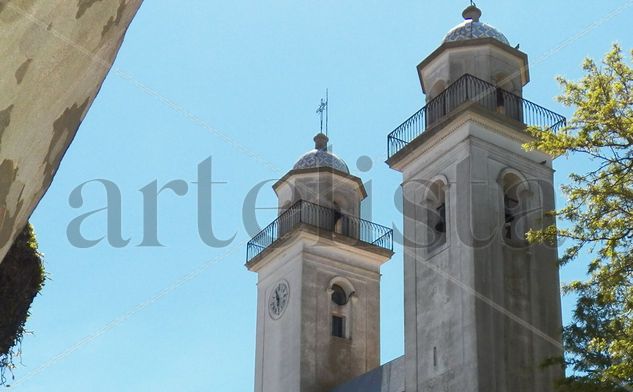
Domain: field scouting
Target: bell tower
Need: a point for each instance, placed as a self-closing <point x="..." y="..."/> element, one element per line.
<point x="482" y="306"/>
<point x="318" y="290"/>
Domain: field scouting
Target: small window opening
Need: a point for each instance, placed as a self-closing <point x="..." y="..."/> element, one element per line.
<point x="339" y="296"/>
<point x="338" y="326"/>
<point x="434" y="356"/>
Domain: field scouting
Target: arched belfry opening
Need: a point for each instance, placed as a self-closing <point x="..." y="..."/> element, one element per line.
<point x="340" y="292"/>
<point x="436" y="212"/>
<point x="515" y="189"/>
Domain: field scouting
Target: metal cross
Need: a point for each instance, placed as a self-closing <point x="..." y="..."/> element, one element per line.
<point x="323" y="109"/>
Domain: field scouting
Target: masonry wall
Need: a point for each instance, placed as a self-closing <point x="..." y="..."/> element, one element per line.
<point x="481" y="313"/>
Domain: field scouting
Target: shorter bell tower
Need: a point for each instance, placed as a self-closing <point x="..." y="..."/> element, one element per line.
<point x="318" y="290"/>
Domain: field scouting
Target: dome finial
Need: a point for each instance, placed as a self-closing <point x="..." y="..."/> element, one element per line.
<point x="320" y="141"/>
<point x="472" y="12"/>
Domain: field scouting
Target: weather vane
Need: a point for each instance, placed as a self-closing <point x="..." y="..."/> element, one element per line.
<point x="323" y="109"/>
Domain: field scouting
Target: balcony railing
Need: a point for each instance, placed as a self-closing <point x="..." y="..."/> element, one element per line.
<point x="322" y="218"/>
<point x="474" y="90"/>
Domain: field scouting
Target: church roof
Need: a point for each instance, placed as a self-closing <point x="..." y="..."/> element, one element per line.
<point x="321" y="157"/>
<point x="387" y="378"/>
<point x="472" y="28"/>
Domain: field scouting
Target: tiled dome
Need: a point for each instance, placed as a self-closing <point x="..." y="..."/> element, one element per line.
<point x="472" y="28"/>
<point x="321" y="157"/>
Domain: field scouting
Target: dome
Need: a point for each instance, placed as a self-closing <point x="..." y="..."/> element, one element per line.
<point x="472" y="28"/>
<point x="321" y="157"/>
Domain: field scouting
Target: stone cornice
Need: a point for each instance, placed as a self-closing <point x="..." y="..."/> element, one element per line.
<point x="319" y="170"/>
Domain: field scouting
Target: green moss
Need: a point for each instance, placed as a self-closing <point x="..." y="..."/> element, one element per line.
<point x="22" y="277"/>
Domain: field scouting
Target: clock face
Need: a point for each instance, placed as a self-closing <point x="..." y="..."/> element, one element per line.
<point x="278" y="299"/>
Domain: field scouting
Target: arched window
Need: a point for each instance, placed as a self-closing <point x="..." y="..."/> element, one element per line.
<point x="514" y="219"/>
<point x="436" y="213"/>
<point x="340" y="291"/>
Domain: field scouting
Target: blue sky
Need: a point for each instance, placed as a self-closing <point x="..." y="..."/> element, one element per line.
<point x="230" y="77"/>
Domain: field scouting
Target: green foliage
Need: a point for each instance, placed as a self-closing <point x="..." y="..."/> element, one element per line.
<point x="21" y="279"/>
<point x="599" y="342"/>
<point x="597" y="324"/>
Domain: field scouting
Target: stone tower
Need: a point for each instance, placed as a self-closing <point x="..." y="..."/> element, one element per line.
<point x="482" y="306"/>
<point x="318" y="289"/>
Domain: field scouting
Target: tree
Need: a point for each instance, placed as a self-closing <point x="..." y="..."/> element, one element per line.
<point x="596" y="322"/>
<point x="599" y="210"/>
<point x="21" y="279"/>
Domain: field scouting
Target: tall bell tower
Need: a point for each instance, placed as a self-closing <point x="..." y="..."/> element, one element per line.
<point x="482" y="306"/>
<point x="318" y="290"/>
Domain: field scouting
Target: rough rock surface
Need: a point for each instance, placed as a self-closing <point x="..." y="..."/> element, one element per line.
<point x="54" y="56"/>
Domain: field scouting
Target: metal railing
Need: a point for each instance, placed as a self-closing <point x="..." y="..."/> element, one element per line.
<point x="470" y="89"/>
<point x="323" y="218"/>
